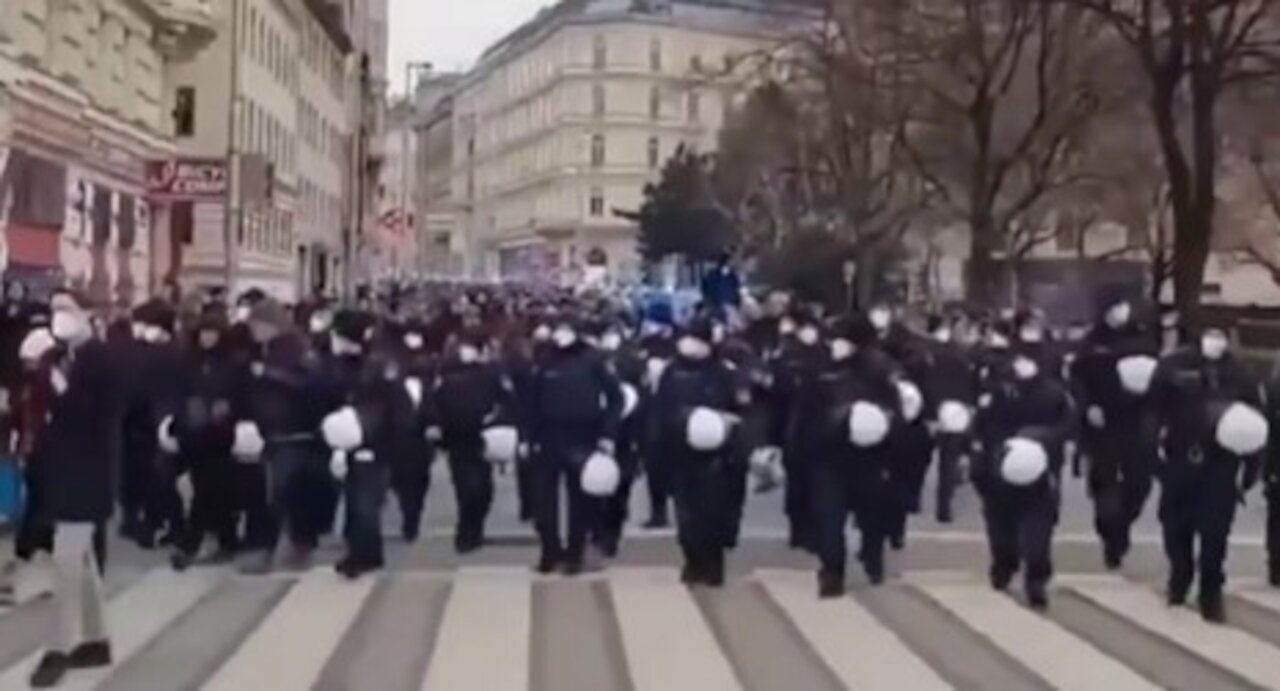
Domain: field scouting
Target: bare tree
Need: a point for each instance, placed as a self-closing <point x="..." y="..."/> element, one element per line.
<point x="1192" y="53"/>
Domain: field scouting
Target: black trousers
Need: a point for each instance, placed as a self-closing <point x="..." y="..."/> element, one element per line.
<point x="472" y="486"/>
<point x="796" y="460"/>
<point x="952" y="448"/>
<point x="364" y="493"/>
<point x="558" y="464"/>
<point x="1020" y="523"/>
<point x="703" y="497"/>
<point x="1198" y="505"/>
<point x="912" y="451"/>
<point x="857" y="483"/>
<point x="288" y="487"/>
<point x="213" y="505"/>
<point x="1120" y="478"/>
<point x="410" y="481"/>
<point x="1272" y="490"/>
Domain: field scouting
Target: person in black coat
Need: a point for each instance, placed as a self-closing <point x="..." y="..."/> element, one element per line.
<point x="800" y="356"/>
<point x="1027" y="416"/>
<point x="470" y="394"/>
<point x="79" y="448"/>
<point x="950" y="388"/>
<point x="1206" y="407"/>
<point x="575" y="408"/>
<point x="411" y="468"/>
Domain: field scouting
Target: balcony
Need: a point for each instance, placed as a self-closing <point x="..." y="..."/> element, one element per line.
<point x="184" y="27"/>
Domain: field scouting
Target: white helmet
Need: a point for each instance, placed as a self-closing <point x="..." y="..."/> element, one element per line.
<point x="630" y="399"/>
<point x="501" y="444"/>
<point x="1242" y="430"/>
<point x="706" y="430"/>
<point x="413" y="387"/>
<point x="868" y="424"/>
<point x="342" y="429"/>
<point x="1024" y="462"/>
<point x="36" y="343"/>
<point x="1135" y="372"/>
<point x="600" y="476"/>
<point x="954" y="417"/>
<point x="912" y="400"/>
<point x="168" y="442"/>
<point x="653" y="371"/>
<point x="248" y="443"/>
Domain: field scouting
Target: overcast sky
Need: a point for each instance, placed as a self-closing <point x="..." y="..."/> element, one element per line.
<point x="449" y="33"/>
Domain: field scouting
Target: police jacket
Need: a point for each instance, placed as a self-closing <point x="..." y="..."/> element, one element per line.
<point x="212" y="397"/>
<point x="1040" y="408"/>
<point x="1185" y="390"/>
<point x="1096" y="380"/>
<point x="688" y="384"/>
<point x="574" y="392"/>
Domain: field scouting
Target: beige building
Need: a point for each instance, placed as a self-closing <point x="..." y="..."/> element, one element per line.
<point x="84" y="111"/>
<point x="567" y="118"/>
<point x="440" y="246"/>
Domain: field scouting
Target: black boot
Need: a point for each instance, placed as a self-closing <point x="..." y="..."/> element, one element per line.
<point x="1037" y="595"/>
<point x="547" y="563"/>
<point x="90" y="654"/>
<point x="1212" y="608"/>
<point x="1000" y="577"/>
<point x="1273" y="574"/>
<point x="49" y="672"/>
<point x="830" y="585"/>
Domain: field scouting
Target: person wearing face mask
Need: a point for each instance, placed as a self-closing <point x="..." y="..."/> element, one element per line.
<point x="950" y="388"/>
<point x="1111" y="375"/>
<point x="367" y="418"/>
<point x="1206" y="407"/>
<point x="411" y="465"/>
<point x="575" y="410"/>
<point x="211" y="399"/>
<point x="624" y="358"/>
<point x="911" y="442"/>
<point x="1028" y="418"/>
<point x="698" y="389"/>
<point x="470" y="394"/>
<point x="655" y="348"/>
<point x="850" y="409"/>
<point x="78" y="446"/>
<point x="799" y="359"/>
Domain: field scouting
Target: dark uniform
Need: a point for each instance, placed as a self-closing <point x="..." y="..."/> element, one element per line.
<point x="1201" y="482"/>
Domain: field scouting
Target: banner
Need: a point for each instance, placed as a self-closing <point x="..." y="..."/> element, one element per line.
<point x="187" y="179"/>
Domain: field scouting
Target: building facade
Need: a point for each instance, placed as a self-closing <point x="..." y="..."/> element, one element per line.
<point x="440" y="246"/>
<point x="84" y="109"/>
<point x="565" y="120"/>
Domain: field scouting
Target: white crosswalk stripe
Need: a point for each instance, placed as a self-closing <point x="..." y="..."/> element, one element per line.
<point x="290" y="647"/>
<point x="648" y="632"/>
<point x="487" y="614"/>
<point x="1227" y="647"/>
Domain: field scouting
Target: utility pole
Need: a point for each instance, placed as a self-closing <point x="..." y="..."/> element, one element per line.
<point x="231" y="206"/>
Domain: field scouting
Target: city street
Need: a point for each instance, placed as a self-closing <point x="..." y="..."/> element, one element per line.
<point x="436" y="621"/>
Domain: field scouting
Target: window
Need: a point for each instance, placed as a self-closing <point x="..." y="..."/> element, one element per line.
<point x="597" y="150"/>
<point x="655" y="55"/>
<point x="597" y="99"/>
<point x="695" y="106"/>
<point x="653" y="152"/>
<point x="655" y="103"/>
<point x="601" y="53"/>
<point x="184" y="112"/>
<point x="597" y="202"/>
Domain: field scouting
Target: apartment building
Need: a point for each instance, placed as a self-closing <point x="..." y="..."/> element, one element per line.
<point x="439" y="244"/>
<point x="567" y="118"/>
<point x="84" y="111"/>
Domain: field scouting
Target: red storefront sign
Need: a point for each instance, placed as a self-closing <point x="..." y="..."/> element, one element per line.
<point x="187" y="179"/>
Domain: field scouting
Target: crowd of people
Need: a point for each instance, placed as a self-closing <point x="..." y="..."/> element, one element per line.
<point x="282" y="417"/>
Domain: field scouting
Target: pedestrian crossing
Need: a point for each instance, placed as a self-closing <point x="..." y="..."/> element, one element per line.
<point x="505" y="629"/>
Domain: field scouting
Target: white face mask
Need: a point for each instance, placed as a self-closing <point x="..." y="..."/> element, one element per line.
<point x="70" y="327"/>
<point x="717" y="333"/>
<point x="563" y="338"/>
<point x="996" y="340"/>
<point x="1213" y="345"/>
<point x="542" y="334"/>
<point x="841" y="349"/>
<point x="241" y="314"/>
<point x="1031" y="334"/>
<point x="1025" y="368"/>
<point x="1118" y="315"/>
<point x="880" y="319"/>
<point x="693" y="348"/>
<point x="786" y="327"/>
<point x="611" y="341"/>
<point x="138" y="330"/>
<point x="468" y="354"/>
<point x="413" y="341"/>
<point x="808" y="335"/>
<point x="942" y="335"/>
<point x="319" y="322"/>
<point x="343" y="346"/>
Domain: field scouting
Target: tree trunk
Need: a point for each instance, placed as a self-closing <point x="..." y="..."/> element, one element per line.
<point x="983" y="284"/>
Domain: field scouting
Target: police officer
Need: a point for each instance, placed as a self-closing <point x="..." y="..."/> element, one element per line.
<point x="470" y="394"/>
<point x="1111" y="372"/>
<point x="411" y="465"/>
<point x="212" y="399"/>
<point x="367" y="420"/>
<point x="625" y="359"/>
<point x="1206" y="407"/>
<point x="950" y="388"/>
<point x="1028" y="416"/>
<point x="695" y="409"/>
<point x="851" y="409"/>
<point x="799" y="358"/>
<point x="656" y="348"/>
<point x="576" y="405"/>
